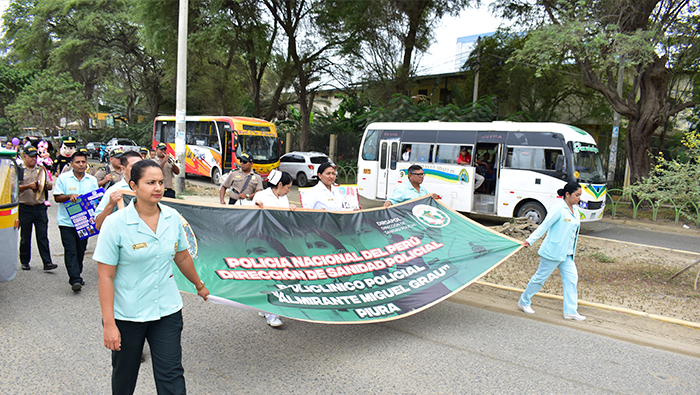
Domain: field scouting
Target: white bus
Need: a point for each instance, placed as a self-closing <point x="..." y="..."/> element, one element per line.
<point x="523" y="164"/>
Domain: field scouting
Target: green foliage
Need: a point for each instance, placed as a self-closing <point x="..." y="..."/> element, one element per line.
<point x="402" y="108"/>
<point x="47" y="99"/>
<point x="675" y="181"/>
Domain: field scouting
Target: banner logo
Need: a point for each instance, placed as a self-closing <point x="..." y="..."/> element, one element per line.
<point x="431" y="216"/>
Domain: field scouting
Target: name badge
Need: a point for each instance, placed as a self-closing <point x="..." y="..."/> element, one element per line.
<point x="139" y="246"/>
<point x="176" y="247"/>
<point x="567" y="220"/>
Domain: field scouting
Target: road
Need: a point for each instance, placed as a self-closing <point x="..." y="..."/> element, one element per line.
<point x="52" y="344"/>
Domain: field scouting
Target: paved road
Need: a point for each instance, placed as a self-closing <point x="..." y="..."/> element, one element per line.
<point x="51" y="343"/>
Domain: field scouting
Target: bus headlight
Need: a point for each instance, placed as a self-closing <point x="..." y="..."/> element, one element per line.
<point x="583" y="204"/>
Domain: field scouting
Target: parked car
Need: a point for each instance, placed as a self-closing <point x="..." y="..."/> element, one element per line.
<point x="93" y="148"/>
<point x="123" y="144"/>
<point x="303" y="166"/>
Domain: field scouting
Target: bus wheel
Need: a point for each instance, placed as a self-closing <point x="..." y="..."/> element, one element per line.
<point x="533" y="211"/>
<point x="302" y="181"/>
<point x="216" y="176"/>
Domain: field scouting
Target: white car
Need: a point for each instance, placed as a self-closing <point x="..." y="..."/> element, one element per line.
<point x="122" y="144"/>
<point x="303" y="166"/>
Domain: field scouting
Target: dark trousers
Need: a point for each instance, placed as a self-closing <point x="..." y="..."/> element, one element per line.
<point x="166" y="353"/>
<point x="169" y="193"/>
<point x="232" y="201"/>
<point x="74" y="251"/>
<point x="33" y="216"/>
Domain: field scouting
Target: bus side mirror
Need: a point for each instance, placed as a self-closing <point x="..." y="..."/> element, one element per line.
<point x="559" y="165"/>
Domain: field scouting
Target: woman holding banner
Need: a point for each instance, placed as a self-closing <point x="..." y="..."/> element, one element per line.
<point x="139" y="298"/>
<point x="275" y="196"/>
<point x="557" y="251"/>
<point x="325" y="195"/>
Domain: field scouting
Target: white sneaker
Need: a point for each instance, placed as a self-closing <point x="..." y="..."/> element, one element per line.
<point x="525" y="309"/>
<point x="261" y="314"/>
<point x="576" y="317"/>
<point x="273" y="320"/>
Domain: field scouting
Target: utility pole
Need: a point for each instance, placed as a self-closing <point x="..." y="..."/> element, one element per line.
<point x="612" y="161"/>
<point x="181" y="97"/>
<point x="478" y="67"/>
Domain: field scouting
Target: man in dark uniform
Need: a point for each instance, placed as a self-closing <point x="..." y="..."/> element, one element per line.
<point x="243" y="181"/>
<point x="113" y="172"/>
<point x="32" y="212"/>
<point x="169" y="167"/>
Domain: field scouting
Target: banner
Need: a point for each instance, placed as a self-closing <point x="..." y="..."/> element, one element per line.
<point x="82" y="213"/>
<point x="354" y="267"/>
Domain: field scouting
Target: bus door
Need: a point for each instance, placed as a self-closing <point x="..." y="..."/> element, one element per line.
<point x="488" y="158"/>
<point x="386" y="177"/>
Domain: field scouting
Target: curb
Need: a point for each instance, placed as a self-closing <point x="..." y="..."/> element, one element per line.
<point x="642" y="245"/>
<point x="601" y="306"/>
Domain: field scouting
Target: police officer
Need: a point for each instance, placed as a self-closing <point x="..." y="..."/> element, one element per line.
<point x="169" y="169"/>
<point x="243" y="181"/>
<point x="32" y="212"/>
<point x="113" y="172"/>
<point x="144" y="153"/>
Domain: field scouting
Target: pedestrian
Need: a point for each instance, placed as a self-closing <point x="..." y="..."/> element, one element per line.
<point x="242" y="182"/>
<point x="144" y="153"/>
<point x="275" y="196"/>
<point x="152" y="154"/>
<point x="412" y="189"/>
<point x="32" y="211"/>
<point x="69" y="186"/>
<point x="169" y="167"/>
<point x="325" y="195"/>
<point x="113" y="195"/>
<point x="557" y="251"/>
<point x="139" y="298"/>
<point x="112" y="173"/>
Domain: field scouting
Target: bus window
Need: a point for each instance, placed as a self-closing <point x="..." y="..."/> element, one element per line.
<point x="406" y="152"/>
<point x="207" y="136"/>
<point x="166" y="134"/>
<point x="448" y="153"/>
<point x="422" y="153"/>
<point x="532" y="158"/>
<point x="369" y="149"/>
<point x="382" y="161"/>
<point x="394" y="154"/>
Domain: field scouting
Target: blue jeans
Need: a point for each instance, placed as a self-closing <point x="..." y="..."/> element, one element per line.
<point x="569" y="279"/>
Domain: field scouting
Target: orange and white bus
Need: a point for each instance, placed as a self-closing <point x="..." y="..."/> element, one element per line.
<point x="213" y="143"/>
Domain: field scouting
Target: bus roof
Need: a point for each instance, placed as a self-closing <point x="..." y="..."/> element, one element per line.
<point x="570" y="133"/>
<point x="7" y="153"/>
<point x="205" y="118"/>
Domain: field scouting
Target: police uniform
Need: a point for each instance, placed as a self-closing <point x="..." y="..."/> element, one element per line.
<point x="32" y="213"/>
<point x="236" y="180"/>
<point x="168" y="172"/>
<point x="147" y="303"/>
<point x="102" y="173"/>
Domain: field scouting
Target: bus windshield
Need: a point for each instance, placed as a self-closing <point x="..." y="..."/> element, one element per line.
<point x="588" y="164"/>
<point x="263" y="149"/>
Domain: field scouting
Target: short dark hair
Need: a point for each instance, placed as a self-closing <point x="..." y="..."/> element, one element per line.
<point x="323" y="167"/>
<point x="124" y="159"/>
<point x="414" y="168"/>
<point x="76" y="154"/>
<point x="140" y="168"/>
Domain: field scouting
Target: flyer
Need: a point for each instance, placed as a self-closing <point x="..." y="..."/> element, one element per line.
<point x="82" y="213"/>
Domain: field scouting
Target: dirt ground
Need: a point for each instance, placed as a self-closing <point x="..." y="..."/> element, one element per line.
<point x="617" y="274"/>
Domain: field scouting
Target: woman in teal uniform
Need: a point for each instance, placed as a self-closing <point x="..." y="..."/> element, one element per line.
<point x="557" y="251"/>
<point x="138" y="294"/>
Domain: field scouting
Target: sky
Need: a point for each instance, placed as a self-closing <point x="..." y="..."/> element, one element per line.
<point x="443" y="52"/>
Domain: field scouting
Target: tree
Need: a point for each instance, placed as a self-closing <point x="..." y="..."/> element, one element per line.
<point x="47" y="99"/>
<point x="596" y="34"/>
